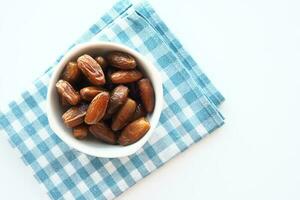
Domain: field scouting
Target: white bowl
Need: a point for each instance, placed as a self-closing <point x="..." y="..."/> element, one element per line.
<point x="92" y="146"/>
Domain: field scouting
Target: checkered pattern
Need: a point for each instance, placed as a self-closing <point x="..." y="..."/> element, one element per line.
<point x="189" y="113"/>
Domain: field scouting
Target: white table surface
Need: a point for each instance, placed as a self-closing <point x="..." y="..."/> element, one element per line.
<point x="249" y="49"/>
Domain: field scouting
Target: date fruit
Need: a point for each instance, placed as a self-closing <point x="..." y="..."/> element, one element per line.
<point x="102" y="132"/>
<point x="138" y="113"/>
<point x="109" y="85"/>
<point x="64" y="102"/>
<point x="102" y="62"/>
<point x="80" y="132"/>
<point x="124" y="114"/>
<point x="88" y="93"/>
<point x="91" y="69"/>
<point x="121" y="60"/>
<point x="134" y="91"/>
<point x="147" y="94"/>
<point x="117" y="98"/>
<point x="97" y="108"/>
<point x="134" y="131"/>
<point x="71" y="73"/>
<point x="66" y="91"/>
<point x="126" y="76"/>
<point x="74" y="116"/>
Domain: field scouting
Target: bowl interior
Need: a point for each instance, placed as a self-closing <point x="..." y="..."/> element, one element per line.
<point x="90" y="145"/>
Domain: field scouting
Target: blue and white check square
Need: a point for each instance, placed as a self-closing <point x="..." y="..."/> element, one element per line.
<point x="189" y="113"/>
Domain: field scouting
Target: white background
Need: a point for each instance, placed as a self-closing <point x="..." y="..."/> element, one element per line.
<point x="249" y="49"/>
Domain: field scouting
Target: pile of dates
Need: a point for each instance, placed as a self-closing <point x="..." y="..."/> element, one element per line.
<point x="106" y="96"/>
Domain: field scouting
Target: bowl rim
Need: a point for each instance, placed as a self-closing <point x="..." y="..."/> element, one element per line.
<point x="158" y="89"/>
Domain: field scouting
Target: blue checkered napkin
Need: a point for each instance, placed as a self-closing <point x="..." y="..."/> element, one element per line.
<point x="189" y="113"/>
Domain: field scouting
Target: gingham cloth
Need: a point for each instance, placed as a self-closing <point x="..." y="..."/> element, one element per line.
<point x="189" y="113"/>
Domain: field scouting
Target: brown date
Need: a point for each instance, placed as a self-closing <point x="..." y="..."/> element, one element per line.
<point x="74" y="116"/>
<point x="138" y="113"/>
<point x="124" y="114"/>
<point x="66" y="91"/>
<point x="134" y="91"/>
<point x="121" y="60"/>
<point x="147" y="94"/>
<point x="126" y="76"/>
<point x="64" y="102"/>
<point x="88" y="93"/>
<point x="102" y="62"/>
<point x="109" y="85"/>
<point x="97" y="108"/>
<point x="134" y="131"/>
<point x="71" y="73"/>
<point x="91" y="69"/>
<point x="102" y="132"/>
<point x="117" y="98"/>
<point x="80" y="132"/>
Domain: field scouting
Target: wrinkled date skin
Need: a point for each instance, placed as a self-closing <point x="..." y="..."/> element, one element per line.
<point x="66" y="91"/>
<point x="102" y="62"/>
<point x="124" y="115"/>
<point x="91" y="69"/>
<point x="80" y="132"/>
<point x="64" y="102"/>
<point x="102" y="132"/>
<point x="125" y="76"/>
<point x="134" y="131"/>
<point x="138" y="113"/>
<point x="71" y="73"/>
<point x="117" y="98"/>
<point x="97" y="108"/>
<point x="88" y="93"/>
<point x="147" y="94"/>
<point x="121" y="60"/>
<point x="75" y="115"/>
